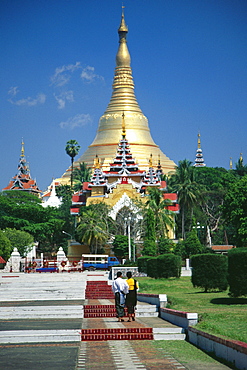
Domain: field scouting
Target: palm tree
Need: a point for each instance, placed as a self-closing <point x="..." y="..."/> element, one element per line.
<point x="163" y="218"/>
<point x="184" y="184"/>
<point x="72" y="149"/>
<point x="94" y="226"/>
<point x="81" y="174"/>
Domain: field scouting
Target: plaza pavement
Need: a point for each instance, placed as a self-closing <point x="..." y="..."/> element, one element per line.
<point x="41" y="321"/>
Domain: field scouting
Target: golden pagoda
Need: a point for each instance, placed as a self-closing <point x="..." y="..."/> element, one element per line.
<point x="136" y="124"/>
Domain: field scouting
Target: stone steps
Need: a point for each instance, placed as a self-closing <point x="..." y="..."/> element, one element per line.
<point x="94" y="311"/>
<point x="39" y="336"/>
<point x="169" y="334"/>
<point x="117" y="334"/>
<point x="41" y="312"/>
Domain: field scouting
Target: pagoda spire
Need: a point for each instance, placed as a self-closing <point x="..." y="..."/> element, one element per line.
<point x="199" y="161"/>
<point x="23" y="180"/>
<point x="110" y="128"/>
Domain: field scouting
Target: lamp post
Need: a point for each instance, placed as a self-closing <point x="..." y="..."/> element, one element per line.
<point x="64" y="232"/>
<point x="128" y="220"/>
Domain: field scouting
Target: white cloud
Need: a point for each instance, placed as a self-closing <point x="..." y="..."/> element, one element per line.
<point x="89" y="75"/>
<point x="64" y="97"/>
<point x="30" y="102"/>
<point x="13" y="90"/>
<point x="62" y="74"/>
<point x="79" y="120"/>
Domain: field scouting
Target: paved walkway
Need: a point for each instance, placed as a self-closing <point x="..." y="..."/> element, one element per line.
<point x="55" y="291"/>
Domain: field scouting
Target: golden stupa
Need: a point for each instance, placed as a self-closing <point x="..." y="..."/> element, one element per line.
<point x="123" y="100"/>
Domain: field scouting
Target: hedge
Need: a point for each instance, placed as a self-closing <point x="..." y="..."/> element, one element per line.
<point x="142" y="263"/>
<point x="169" y="265"/>
<point x="237" y="271"/>
<point x="209" y="271"/>
<point x="152" y="270"/>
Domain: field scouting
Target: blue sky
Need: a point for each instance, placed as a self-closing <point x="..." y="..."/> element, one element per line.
<point x="189" y="63"/>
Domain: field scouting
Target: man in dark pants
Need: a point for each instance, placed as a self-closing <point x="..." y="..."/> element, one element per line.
<point x="120" y="288"/>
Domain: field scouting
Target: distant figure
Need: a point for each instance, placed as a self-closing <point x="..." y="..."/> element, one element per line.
<point x="131" y="297"/>
<point x="120" y="288"/>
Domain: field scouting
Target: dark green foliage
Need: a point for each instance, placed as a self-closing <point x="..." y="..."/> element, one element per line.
<point x="149" y="233"/>
<point x="142" y="264"/>
<point x="165" y="246"/>
<point x="209" y="271"/>
<point x="152" y="270"/>
<point x="169" y="265"/>
<point x="235" y="210"/>
<point x="179" y="249"/>
<point x="192" y="243"/>
<point x="23" y="211"/>
<point x="5" y="246"/>
<point x="121" y="245"/>
<point x="21" y="240"/>
<point x="149" y="248"/>
<point x="237" y="271"/>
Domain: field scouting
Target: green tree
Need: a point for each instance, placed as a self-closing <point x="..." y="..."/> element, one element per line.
<point x="165" y="246"/>
<point x="149" y="221"/>
<point x="121" y="245"/>
<point x="235" y="210"/>
<point x="241" y="169"/>
<point x="24" y="212"/>
<point x="163" y="218"/>
<point x="72" y="149"/>
<point x="216" y="182"/>
<point x="5" y="246"/>
<point x="94" y="226"/>
<point x="21" y="240"/>
<point x="149" y="248"/>
<point x="192" y="243"/>
<point x="189" y="192"/>
<point x="81" y="174"/>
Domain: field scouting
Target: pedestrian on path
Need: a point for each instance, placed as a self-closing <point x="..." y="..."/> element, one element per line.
<point x="120" y="288"/>
<point x="131" y="297"/>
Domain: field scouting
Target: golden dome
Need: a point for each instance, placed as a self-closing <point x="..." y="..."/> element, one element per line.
<point x="109" y="130"/>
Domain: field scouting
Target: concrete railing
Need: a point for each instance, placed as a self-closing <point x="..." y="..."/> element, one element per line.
<point x="230" y="350"/>
<point x="160" y="300"/>
<point x="180" y="318"/>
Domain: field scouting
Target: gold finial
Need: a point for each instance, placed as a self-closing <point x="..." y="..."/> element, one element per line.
<point x="96" y="162"/>
<point x="123" y="126"/>
<point x="22" y="149"/>
<point x="230" y="163"/>
<point x="241" y="157"/>
<point x="151" y="161"/>
<point x="123" y="27"/>
<point x="199" y="141"/>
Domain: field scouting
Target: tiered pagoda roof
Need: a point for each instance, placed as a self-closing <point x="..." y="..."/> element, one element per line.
<point x="199" y="161"/>
<point x="22" y="180"/>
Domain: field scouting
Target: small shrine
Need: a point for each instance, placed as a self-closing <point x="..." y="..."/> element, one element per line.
<point x="23" y="180"/>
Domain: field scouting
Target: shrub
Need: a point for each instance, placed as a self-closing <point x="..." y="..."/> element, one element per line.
<point x="237" y="271"/>
<point x="209" y="271"/>
<point x="168" y="265"/>
<point x="142" y="264"/>
<point x="165" y="246"/>
<point x="192" y="243"/>
<point x="149" y="248"/>
<point x="152" y="267"/>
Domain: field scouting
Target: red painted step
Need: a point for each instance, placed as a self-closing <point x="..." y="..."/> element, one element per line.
<point x="98" y="290"/>
<point x="117" y="334"/>
<point x="92" y="311"/>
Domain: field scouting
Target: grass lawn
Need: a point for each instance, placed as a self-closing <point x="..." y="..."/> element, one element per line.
<point x="218" y="313"/>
